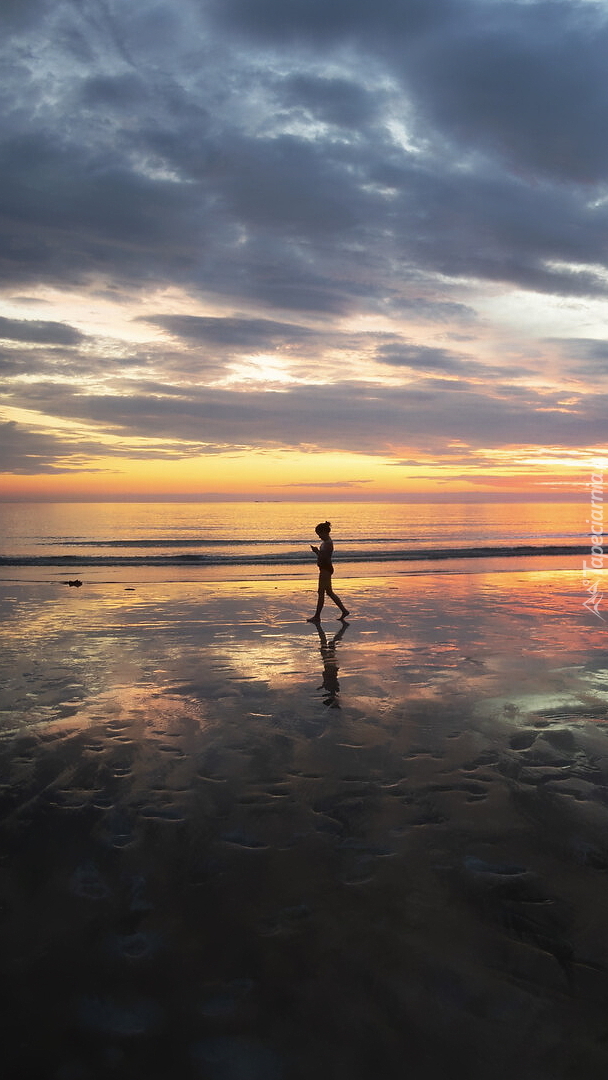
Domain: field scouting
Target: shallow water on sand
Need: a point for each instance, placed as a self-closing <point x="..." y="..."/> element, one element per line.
<point x="239" y="846"/>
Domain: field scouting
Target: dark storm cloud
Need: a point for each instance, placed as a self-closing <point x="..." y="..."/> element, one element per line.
<point x="29" y="452"/>
<point x="296" y="163"/>
<point x="233" y="337"/>
<point x="591" y="348"/>
<point x="347" y="416"/>
<point x="119" y="93"/>
<point x="436" y="311"/>
<point x="231" y="333"/>
<point x="68" y="213"/>
<point x="287" y="183"/>
<point x="63" y="365"/>
<point x="424" y="358"/>
<point x="525" y="81"/>
<point x="320" y="23"/>
<point x="493" y="226"/>
<point x="174" y="165"/>
<point x="587" y="357"/>
<point x="15" y="15"/>
<point x="47" y="333"/>
<point x="342" y="102"/>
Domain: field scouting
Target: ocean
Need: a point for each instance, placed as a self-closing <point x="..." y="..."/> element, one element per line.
<point x="194" y="540"/>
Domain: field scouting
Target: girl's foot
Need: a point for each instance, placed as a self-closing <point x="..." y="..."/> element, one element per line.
<point x="315" y="618"/>
<point x="344" y="614"/>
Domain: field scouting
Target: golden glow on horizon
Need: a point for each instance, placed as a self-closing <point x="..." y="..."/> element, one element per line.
<point x="295" y="475"/>
<point x="93" y="461"/>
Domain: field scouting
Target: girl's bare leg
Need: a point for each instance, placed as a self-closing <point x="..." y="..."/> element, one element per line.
<point x="320" y="602"/>
<point x="336" y="599"/>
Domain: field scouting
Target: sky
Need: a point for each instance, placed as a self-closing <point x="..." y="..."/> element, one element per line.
<point x="280" y="249"/>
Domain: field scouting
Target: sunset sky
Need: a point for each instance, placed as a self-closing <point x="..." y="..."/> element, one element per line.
<point x="275" y="248"/>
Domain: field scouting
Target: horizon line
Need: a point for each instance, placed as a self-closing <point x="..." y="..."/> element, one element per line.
<point x="424" y="497"/>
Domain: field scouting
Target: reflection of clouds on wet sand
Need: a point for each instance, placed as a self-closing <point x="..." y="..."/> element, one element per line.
<point x="210" y="867"/>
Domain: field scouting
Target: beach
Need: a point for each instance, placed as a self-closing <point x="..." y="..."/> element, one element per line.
<point x="235" y="845"/>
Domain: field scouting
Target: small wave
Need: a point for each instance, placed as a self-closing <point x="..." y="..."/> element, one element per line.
<point x="297" y="558"/>
<point x="266" y="542"/>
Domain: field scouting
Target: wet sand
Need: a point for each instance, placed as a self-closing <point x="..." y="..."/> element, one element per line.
<point x="234" y="847"/>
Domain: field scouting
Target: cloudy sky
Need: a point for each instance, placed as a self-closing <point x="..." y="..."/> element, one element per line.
<point x="273" y="247"/>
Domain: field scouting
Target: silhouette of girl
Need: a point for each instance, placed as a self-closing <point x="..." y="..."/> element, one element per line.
<point x="324" y="554"/>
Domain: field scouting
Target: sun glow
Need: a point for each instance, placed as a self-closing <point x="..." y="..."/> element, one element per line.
<point x="262" y="371"/>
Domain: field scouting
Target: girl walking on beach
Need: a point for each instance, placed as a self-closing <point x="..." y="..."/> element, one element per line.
<point x="324" y="554"/>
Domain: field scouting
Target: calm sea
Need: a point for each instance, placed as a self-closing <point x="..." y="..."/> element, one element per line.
<point x="46" y="540"/>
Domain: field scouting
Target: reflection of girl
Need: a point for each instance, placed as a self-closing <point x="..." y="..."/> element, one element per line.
<point x="324" y="553"/>
<point x="331" y="686"/>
